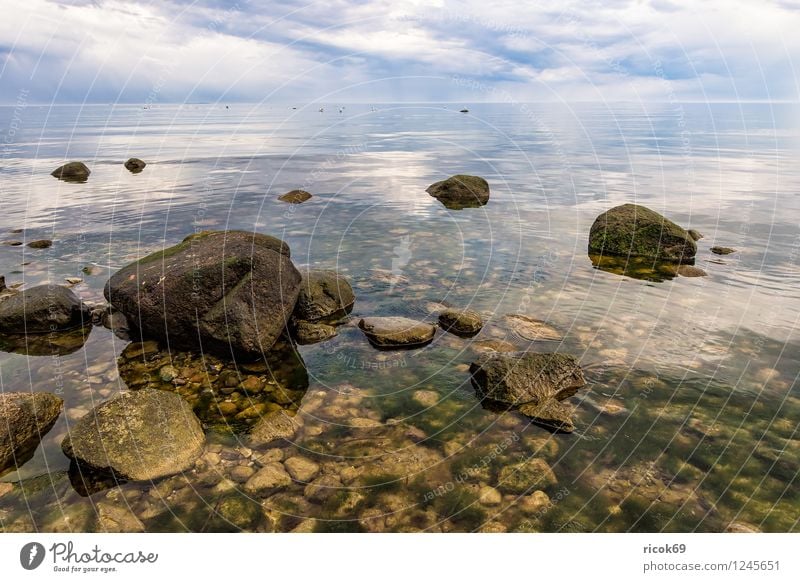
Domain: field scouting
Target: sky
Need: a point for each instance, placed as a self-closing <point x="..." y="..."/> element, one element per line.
<point x="338" y="51"/>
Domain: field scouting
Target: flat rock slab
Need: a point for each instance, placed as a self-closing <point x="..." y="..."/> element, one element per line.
<point x="295" y="197"/>
<point x="139" y="435"/>
<point x="722" y="250"/>
<point x="396" y="332"/>
<point x="25" y="418"/>
<point x="531" y="329"/>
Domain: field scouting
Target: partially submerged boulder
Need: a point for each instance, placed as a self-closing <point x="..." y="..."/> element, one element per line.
<point x="135" y="165"/>
<point x="295" y="197"/>
<point x="533" y="383"/>
<point x="635" y="230"/>
<point x="72" y="172"/>
<point x="227" y="292"/>
<point x="722" y="250"/>
<point x="396" y="332"/>
<point x="461" y="191"/>
<point x="42" y="309"/>
<point x="464" y="322"/>
<point x="25" y="417"/>
<point x="323" y="294"/>
<point x="139" y="435"/>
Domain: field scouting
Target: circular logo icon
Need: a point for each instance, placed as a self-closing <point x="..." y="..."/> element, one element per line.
<point x="31" y="555"/>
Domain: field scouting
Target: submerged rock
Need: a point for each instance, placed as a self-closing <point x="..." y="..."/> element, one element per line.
<point x="460" y="322"/>
<point x="295" y="197"/>
<point x="534" y="383"/>
<point x="323" y="294"/>
<point x="306" y="332"/>
<point x="25" y="417"/>
<point x="722" y="250"/>
<point x="396" y="332"/>
<point x="139" y="435"/>
<point x="461" y="191"/>
<point x="135" y="165"/>
<point x="696" y="235"/>
<point x="550" y="413"/>
<point x="528" y="475"/>
<point x="228" y="396"/>
<point x="634" y="230"/>
<point x="531" y="329"/>
<point x="42" y="309"/>
<point x="277" y="425"/>
<point x="72" y="172"/>
<point x="227" y="292"/>
<point x="44" y="243"/>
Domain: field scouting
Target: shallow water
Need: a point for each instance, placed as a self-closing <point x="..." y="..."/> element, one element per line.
<point x="703" y="371"/>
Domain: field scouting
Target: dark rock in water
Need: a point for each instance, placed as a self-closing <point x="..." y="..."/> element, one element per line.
<point x="522" y="377"/>
<point x="41" y="244"/>
<point x="135" y="165"/>
<point x="722" y="250"/>
<point x="464" y="111"/>
<point x="12" y="243"/>
<point x="55" y="343"/>
<point x="2" y="283"/>
<point x="696" y="235"/>
<point x="72" y="172"/>
<point x="634" y="230"/>
<point x="275" y="426"/>
<point x="532" y="382"/>
<point x="140" y="435"/>
<point x="323" y="294"/>
<point x="461" y="191"/>
<point x="42" y="309"/>
<point x="460" y="322"/>
<point x="25" y="417"/>
<point x="396" y="332"/>
<point x="295" y="197"/>
<point x="307" y="332"/>
<point x="227" y="292"/>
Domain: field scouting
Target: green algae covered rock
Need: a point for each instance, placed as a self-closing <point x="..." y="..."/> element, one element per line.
<point x="634" y="230"/>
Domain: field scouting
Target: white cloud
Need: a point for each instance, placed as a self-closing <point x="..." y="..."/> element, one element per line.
<point x="659" y="49"/>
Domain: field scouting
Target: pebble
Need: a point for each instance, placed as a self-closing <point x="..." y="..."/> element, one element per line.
<point x="322" y="488"/>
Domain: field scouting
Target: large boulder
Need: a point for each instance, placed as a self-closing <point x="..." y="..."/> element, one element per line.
<point x="323" y="294"/>
<point x="42" y="309"/>
<point x="141" y="435"/>
<point x="396" y="332"/>
<point x="25" y="418"/>
<point x="461" y="191"/>
<point x="228" y="292"/>
<point x="72" y="172"/>
<point x="533" y="383"/>
<point x="634" y="230"/>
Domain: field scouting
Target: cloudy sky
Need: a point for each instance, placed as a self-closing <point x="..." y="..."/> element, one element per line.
<point x="398" y="50"/>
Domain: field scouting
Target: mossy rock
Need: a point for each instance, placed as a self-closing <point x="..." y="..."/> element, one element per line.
<point x="461" y="191"/>
<point x="635" y="230"/>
